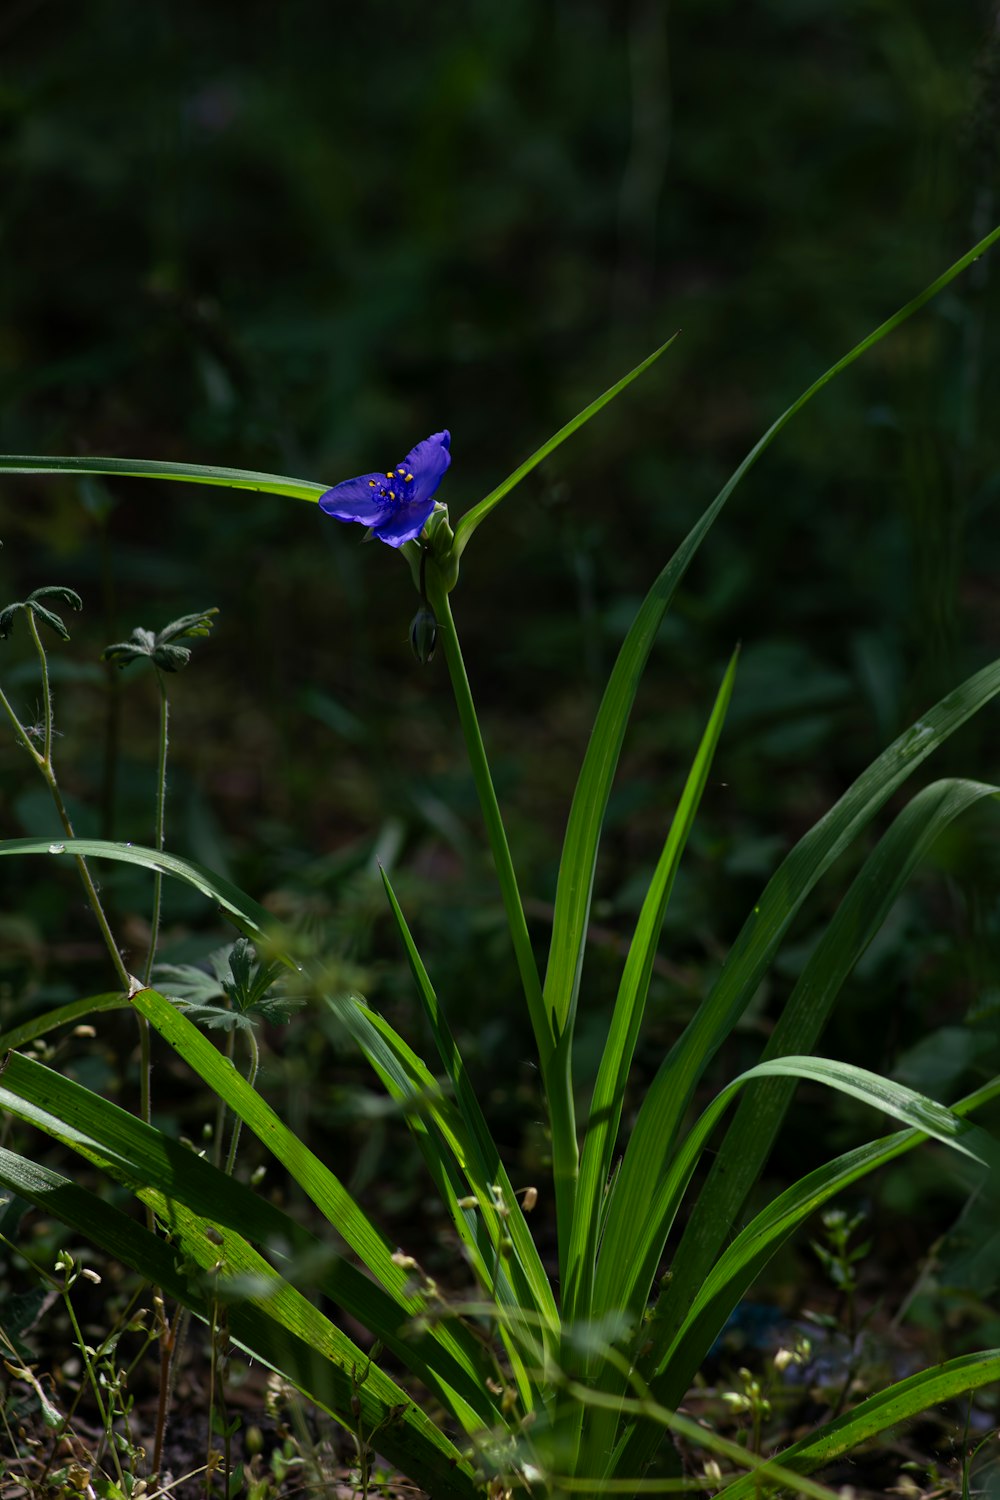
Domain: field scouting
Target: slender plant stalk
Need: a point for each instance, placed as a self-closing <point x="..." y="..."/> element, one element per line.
<point x="553" y="1062"/>
<point x="527" y="967"/>
<point x="95" y="1386"/>
<point x="161" y="803"/>
<point x="237" y="1122"/>
<point x="43" y="762"/>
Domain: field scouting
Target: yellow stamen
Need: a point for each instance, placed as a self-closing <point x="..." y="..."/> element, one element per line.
<point x="408" y="478"/>
<point x="371" y="484"/>
<point x="389" y="474"/>
<point x="392" y="494"/>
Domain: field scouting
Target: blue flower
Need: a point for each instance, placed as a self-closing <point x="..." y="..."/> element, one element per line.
<point x="397" y="504"/>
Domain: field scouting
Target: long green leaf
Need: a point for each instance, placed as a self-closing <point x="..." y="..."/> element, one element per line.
<point x="743" y="1260"/>
<point x="63" y="1015"/>
<point x="489" y="1167"/>
<point x="756" y="1122"/>
<point x="435" y="1122"/>
<point x="590" y="800"/>
<point x="897" y="1403"/>
<point x="674" y="1363"/>
<point x="153" y="1165"/>
<point x="391" y="1057"/>
<point x="472" y="518"/>
<point x="616" y="1059"/>
<point x="885" y="1094"/>
<point x="667" y="1099"/>
<point x="315" y="1179"/>
<point x="299" y="1343"/>
<point x="143" y="468"/>
<point x="245" y="914"/>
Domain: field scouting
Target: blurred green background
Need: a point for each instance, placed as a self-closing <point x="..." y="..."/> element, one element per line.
<point x="301" y="237"/>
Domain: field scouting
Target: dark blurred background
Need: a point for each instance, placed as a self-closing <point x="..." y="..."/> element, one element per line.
<point x="301" y="237"/>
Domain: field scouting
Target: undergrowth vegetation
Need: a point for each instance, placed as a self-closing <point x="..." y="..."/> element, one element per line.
<point x="550" y="1361"/>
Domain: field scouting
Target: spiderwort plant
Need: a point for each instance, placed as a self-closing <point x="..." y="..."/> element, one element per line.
<point x="580" y="1385"/>
<point x="396" y="505"/>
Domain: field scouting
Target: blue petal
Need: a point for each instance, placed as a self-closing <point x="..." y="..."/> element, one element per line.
<point x="427" y="463"/>
<point x="405" y="523"/>
<point x="358" y="499"/>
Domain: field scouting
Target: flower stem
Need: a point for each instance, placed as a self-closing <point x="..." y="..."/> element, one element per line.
<point x="554" y="1059"/>
<point x="496" y="833"/>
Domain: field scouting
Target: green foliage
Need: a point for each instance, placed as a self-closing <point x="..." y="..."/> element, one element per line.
<point x="160" y="647"/>
<point x="541" y="1394"/>
<point x="33" y="605"/>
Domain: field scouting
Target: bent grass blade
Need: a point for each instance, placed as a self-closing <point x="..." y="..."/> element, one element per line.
<point x="741" y="1263"/>
<point x="892" y="1098"/>
<point x="667" y="1099"/>
<point x="152" y="1164"/>
<point x="324" y="1364"/>
<point x="590" y="800"/>
<point x="858" y="919"/>
<point x="63" y="1015"/>
<point x="897" y="1403"/>
<point x="468" y="523"/>
<point x="143" y="468"/>
<point x="626" y="1020"/>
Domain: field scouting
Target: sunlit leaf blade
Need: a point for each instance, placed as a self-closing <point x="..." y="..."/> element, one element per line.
<point x="755" y="1124"/>
<point x="394" y="1061"/>
<point x="248" y="915"/>
<point x="398" y="1067"/>
<point x="897" y="1403"/>
<point x="616" y="1059"/>
<point x="697" y="1436"/>
<point x="489" y="1168"/>
<point x="667" y="1098"/>
<point x="315" y="1179"/>
<point x="63" y="1015"/>
<point x="152" y="1164"/>
<point x="674" y="1365"/>
<point x="915" y="1110"/>
<point x="451" y="1161"/>
<point x="469" y="522"/>
<point x="143" y="468"/>
<point x="282" y="1330"/>
<point x="590" y="800"/>
<point x="884" y="1094"/>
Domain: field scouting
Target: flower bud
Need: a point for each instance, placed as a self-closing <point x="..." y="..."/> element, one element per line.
<point x="423" y="634"/>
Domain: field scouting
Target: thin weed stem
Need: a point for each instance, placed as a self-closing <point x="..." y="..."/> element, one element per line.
<point x="237" y="1122"/>
<point x="85" y="1355"/>
<point x="161" y="804"/>
<point x="44" y="763"/>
